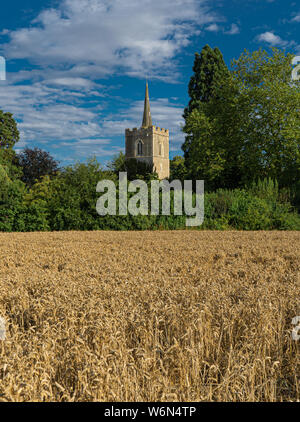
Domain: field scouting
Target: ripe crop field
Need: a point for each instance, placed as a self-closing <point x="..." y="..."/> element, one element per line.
<point x="149" y="316"/>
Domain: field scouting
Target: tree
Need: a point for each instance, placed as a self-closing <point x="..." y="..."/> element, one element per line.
<point x="177" y="168"/>
<point x="251" y="129"/>
<point x="137" y="169"/>
<point x="210" y="73"/>
<point x="35" y="164"/>
<point x="9" y="136"/>
<point x="268" y="112"/>
<point x="214" y="152"/>
<point x="9" y="133"/>
<point x="118" y="163"/>
<point x="72" y="196"/>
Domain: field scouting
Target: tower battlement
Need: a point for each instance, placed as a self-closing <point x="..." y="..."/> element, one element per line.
<point x="160" y="129"/>
<point x="131" y="130"/>
<point x="147" y="129"/>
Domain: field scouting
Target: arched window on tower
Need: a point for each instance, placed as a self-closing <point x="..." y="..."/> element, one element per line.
<point x="140" y="148"/>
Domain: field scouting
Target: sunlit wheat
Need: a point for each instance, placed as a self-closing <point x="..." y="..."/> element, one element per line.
<point x="149" y="316"/>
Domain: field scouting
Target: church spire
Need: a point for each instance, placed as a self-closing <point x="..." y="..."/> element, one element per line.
<point x="147" y="121"/>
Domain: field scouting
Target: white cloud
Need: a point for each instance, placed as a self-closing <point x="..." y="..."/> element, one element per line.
<point x="81" y="41"/>
<point x="296" y="18"/>
<point x="96" y="37"/>
<point x="88" y="147"/>
<point x="47" y="113"/>
<point x="60" y="119"/>
<point x="233" y="30"/>
<point x="213" y="28"/>
<point x="272" y="39"/>
<point x="75" y="83"/>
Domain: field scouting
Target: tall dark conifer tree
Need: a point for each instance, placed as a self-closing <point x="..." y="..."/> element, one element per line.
<point x="210" y="74"/>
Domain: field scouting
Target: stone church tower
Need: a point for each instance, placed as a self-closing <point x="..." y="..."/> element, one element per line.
<point x="149" y="143"/>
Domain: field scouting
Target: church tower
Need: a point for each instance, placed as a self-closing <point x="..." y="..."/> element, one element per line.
<point x="149" y="143"/>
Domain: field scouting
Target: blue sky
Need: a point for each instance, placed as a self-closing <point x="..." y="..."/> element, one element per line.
<point x="76" y="69"/>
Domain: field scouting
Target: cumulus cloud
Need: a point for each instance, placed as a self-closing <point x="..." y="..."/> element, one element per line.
<point x="57" y="116"/>
<point x="81" y="41"/>
<point x="272" y="39"/>
<point x="97" y="37"/>
<point x="45" y="112"/>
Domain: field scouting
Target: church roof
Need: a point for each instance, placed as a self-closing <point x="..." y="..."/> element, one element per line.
<point x="147" y="121"/>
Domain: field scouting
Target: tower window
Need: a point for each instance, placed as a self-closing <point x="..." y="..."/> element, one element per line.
<point x="140" y="148"/>
<point x="160" y="149"/>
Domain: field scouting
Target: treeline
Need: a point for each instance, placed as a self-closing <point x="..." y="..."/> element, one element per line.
<point x="242" y="131"/>
<point x="67" y="200"/>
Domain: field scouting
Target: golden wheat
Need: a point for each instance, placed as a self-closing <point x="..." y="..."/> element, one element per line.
<point x="149" y="316"/>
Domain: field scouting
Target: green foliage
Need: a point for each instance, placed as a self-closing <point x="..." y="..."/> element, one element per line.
<point x="31" y="218"/>
<point x="118" y="163"/>
<point x="9" y="162"/>
<point x="9" y="133"/>
<point x="177" y="168"/>
<point x="265" y="189"/>
<point x="4" y="178"/>
<point x="68" y="202"/>
<point x="72" y="200"/>
<point x="244" y="210"/>
<point x="269" y="124"/>
<point x="16" y="214"/>
<point x="221" y="202"/>
<point x="295" y="195"/>
<point x="210" y="75"/>
<point x="251" y="128"/>
<point x="137" y="169"/>
<point x="250" y="213"/>
<point x="35" y="164"/>
<point x="11" y="197"/>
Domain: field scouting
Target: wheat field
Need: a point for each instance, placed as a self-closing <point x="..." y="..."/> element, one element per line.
<point x="149" y="316"/>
